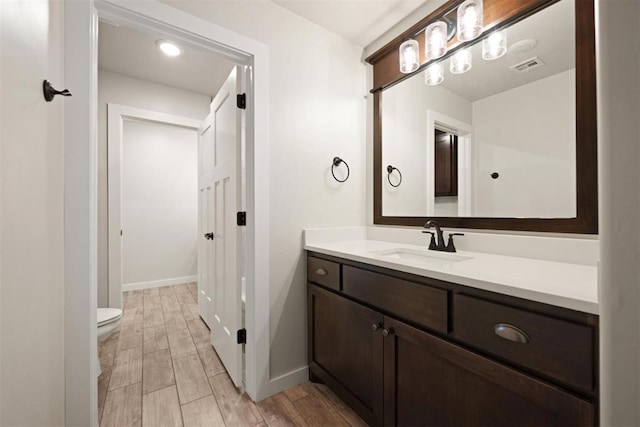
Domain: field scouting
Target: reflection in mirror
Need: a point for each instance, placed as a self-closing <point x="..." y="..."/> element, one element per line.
<point x="498" y="140"/>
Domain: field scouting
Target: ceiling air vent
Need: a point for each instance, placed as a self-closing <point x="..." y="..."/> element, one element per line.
<point x="527" y="65"/>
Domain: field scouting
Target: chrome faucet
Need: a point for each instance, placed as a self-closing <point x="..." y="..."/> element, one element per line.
<point x="437" y="238"/>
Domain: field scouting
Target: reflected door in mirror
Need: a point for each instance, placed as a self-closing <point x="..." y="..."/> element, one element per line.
<point x="446" y="164"/>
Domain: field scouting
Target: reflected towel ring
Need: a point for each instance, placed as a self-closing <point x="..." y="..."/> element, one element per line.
<point x="336" y="162"/>
<point x="390" y="169"/>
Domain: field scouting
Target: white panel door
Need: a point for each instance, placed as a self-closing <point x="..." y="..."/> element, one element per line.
<point x="219" y="295"/>
<point x="205" y="221"/>
<point x="227" y="309"/>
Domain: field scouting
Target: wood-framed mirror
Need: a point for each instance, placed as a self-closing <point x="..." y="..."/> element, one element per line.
<point x="510" y="144"/>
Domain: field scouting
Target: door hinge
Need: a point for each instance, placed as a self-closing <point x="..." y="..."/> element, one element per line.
<point x="241" y="101"/>
<point x="242" y="336"/>
<point x="242" y="218"/>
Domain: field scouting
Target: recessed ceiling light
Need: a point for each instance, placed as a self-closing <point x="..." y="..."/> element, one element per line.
<point x="522" y="46"/>
<point x="168" y="48"/>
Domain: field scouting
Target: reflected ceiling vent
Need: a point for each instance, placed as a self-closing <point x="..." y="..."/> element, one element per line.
<point x="527" y="65"/>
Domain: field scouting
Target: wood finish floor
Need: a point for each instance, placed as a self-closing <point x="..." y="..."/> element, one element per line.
<point x="160" y="370"/>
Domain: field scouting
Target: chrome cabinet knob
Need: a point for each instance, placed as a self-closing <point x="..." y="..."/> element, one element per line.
<point x="387" y="332"/>
<point x="375" y="326"/>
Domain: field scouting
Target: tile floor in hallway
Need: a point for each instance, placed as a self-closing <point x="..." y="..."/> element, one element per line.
<point x="160" y="370"/>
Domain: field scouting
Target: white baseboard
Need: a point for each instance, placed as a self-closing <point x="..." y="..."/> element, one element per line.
<point x="283" y="382"/>
<point x="158" y="283"/>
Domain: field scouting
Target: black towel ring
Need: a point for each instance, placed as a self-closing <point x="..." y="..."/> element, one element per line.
<point x="390" y="169"/>
<point x="336" y="162"/>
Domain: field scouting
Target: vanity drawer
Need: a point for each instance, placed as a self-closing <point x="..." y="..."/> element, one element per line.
<point x="323" y="272"/>
<point x="549" y="346"/>
<point x="416" y="303"/>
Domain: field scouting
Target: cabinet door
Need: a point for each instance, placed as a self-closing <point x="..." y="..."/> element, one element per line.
<point x="345" y="351"/>
<point x="446" y="164"/>
<point x="428" y="381"/>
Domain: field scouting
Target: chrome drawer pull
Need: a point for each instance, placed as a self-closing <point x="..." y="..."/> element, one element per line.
<point x="511" y="333"/>
<point x="321" y="272"/>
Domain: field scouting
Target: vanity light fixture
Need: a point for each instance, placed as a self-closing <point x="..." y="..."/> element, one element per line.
<point x="409" y="58"/>
<point x="169" y="48"/>
<point x="460" y="62"/>
<point x="435" y="39"/>
<point x="434" y="74"/>
<point x="494" y="46"/>
<point x="470" y="20"/>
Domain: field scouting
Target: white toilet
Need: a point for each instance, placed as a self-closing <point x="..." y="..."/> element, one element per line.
<point x="108" y="323"/>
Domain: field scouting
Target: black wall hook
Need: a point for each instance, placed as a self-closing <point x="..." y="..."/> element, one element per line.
<point x="49" y="91"/>
<point x="336" y="162"/>
<point x="390" y="169"/>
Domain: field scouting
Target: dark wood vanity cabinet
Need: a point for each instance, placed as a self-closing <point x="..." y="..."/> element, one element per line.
<point x="345" y="350"/>
<point x="394" y="366"/>
<point x="429" y="381"/>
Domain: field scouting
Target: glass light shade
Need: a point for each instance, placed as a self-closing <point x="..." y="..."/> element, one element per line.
<point x="494" y="46"/>
<point x="460" y="62"/>
<point x="470" y="20"/>
<point x="409" y="58"/>
<point x="434" y="74"/>
<point x="435" y="40"/>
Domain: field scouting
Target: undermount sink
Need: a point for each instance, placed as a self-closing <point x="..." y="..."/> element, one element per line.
<point x="421" y="256"/>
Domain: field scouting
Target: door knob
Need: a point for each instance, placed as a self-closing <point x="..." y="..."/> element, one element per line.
<point x="208" y="236"/>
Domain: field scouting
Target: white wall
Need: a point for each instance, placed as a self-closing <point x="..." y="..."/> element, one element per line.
<point x="404" y="132"/>
<point x="445" y="206"/>
<point x="317" y="111"/>
<point x="619" y="140"/>
<point x="527" y="135"/>
<point x="124" y="90"/>
<point x="159" y="204"/>
<point x="32" y="367"/>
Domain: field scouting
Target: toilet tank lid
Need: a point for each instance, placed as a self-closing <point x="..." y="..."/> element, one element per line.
<point x="108" y="315"/>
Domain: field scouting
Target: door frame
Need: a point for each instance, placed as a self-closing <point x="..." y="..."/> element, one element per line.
<point x="464" y="132"/>
<point x="81" y="23"/>
<point x="116" y="116"/>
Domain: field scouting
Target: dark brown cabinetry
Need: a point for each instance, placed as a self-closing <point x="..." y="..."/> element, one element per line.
<point x="345" y="350"/>
<point x="446" y="164"/>
<point x="429" y="381"/>
<point x="424" y="352"/>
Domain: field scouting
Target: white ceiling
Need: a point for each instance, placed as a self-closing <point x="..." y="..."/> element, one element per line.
<point x="135" y="54"/>
<point x="361" y="21"/>
<point x="553" y="29"/>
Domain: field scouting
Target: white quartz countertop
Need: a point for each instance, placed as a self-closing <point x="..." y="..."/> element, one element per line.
<point x="572" y="286"/>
